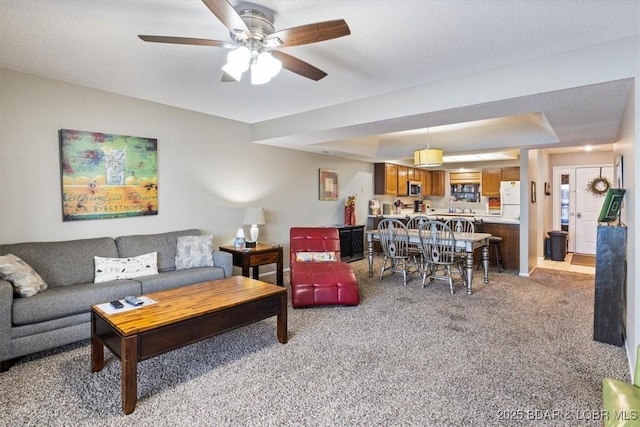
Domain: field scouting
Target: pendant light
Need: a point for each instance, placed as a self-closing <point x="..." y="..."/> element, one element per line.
<point x="428" y="157"/>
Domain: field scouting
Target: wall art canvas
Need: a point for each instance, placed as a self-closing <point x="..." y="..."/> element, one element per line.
<point x="328" y="184"/>
<point x="107" y="176"/>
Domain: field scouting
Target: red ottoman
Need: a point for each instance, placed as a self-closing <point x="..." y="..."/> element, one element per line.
<point x="318" y="277"/>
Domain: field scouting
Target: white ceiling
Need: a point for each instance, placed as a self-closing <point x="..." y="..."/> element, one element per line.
<point x="393" y="45"/>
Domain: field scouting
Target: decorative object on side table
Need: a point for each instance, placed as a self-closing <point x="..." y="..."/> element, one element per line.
<point x="254" y="217"/>
<point x="239" y="241"/>
<point x="350" y="211"/>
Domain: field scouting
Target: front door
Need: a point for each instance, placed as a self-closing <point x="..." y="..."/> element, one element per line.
<point x="588" y="208"/>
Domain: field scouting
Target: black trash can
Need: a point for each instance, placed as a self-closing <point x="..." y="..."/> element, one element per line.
<point x="558" y="244"/>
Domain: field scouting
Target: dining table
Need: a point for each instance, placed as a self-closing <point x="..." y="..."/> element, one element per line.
<point x="467" y="242"/>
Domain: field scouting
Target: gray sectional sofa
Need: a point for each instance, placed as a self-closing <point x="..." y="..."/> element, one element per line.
<point x="60" y="314"/>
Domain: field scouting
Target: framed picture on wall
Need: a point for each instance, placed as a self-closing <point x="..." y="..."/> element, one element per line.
<point x="107" y="176"/>
<point x="533" y="191"/>
<point x="328" y="184"/>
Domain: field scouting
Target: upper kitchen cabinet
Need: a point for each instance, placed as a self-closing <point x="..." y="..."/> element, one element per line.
<point x="437" y="183"/>
<point x="511" y="174"/>
<point x="465" y="177"/>
<point x="426" y="183"/>
<point x="403" y="177"/>
<point x="385" y="179"/>
<point x="491" y="182"/>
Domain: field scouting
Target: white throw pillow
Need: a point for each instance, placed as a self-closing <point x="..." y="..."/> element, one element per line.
<point x="194" y="251"/>
<point x="107" y="269"/>
<point x="26" y="282"/>
<point x="315" y="256"/>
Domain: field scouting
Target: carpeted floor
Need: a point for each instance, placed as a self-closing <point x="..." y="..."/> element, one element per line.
<point x="587" y="260"/>
<point x="519" y="351"/>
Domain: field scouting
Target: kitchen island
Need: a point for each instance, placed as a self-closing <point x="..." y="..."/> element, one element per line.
<point x="508" y="229"/>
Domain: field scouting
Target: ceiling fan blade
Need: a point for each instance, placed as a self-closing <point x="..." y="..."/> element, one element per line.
<point x="186" y="40"/>
<point x="311" y="33"/>
<point x="298" y="66"/>
<point x="224" y="11"/>
<point x="226" y="78"/>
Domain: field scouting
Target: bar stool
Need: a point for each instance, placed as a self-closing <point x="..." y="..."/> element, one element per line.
<point x="495" y="242"/>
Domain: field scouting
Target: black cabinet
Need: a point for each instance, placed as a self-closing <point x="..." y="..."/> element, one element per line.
<point x="611" y="273"/>
<point x="351" y="242"/>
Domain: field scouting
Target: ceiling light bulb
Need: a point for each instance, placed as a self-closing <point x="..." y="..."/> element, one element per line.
<point x="234" y="71"/>
<point x="240" y="57"/>
<point x="271" y="65"/>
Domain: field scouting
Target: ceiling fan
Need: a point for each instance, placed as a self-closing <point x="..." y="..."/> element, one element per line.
<point x="255" y="43"/>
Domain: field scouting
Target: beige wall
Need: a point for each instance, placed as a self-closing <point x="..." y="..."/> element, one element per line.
<point x="208" y="169"/>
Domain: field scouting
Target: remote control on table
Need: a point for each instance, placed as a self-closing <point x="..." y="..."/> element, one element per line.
<point x="131" y="300"/>
<point x="116" y="304"/>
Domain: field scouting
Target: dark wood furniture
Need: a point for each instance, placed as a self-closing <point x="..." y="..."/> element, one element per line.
<point x="351" y="242"/>
<point x="262" y="254"/>
<point x="611" y="273"/>
<point x="510" y="249"/>
<point x="179" y="317"/>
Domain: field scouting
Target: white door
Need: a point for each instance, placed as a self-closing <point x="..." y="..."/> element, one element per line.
<point x="588" y="208"/>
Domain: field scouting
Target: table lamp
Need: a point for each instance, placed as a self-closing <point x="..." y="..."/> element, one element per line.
<point x="254" y="217"/>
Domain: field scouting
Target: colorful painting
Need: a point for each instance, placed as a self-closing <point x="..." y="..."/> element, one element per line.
<point x="107" y="176"/>
<point x="328" y="184"/>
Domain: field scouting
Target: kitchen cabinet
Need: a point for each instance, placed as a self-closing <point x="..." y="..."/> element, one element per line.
<point x="403" y="190"/>
<point x="511" y="174"/>
<point x="465" y="177"/>
<point x="385" y="179"/>
<point x="437" y="183"/>
<point x="351" y="242"/>
<point x="426" y="183"/>
<point x="510" y="246"/>
<point x="491" y="182"/>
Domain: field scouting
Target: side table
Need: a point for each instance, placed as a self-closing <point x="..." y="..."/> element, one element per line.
<point x="254" y="257"/>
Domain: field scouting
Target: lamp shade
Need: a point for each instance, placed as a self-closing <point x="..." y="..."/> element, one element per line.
<point x="254" y="216"/>
<point x="428" y="157"/>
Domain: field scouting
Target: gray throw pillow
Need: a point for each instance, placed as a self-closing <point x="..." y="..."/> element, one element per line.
<point x="194" y="251"/>
<point x="26" y="282"/>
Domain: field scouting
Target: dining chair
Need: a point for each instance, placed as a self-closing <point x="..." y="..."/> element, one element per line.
<point x="439" y="249"/>
<point x="461" y="225"/>
<point x="394" y="240"/>
<point x="415" y="249"/>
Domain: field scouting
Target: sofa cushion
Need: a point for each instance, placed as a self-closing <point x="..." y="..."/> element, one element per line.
<point x="163" y="243"/>
<point x="174" y="279"/>
<point x="63" y="263"/>
<point x="194" y="251"/>
<point x="26" y="282"/>
<point x="323" y="283"/>
<point x="69" y="300"/>
<point x="329" y="256"/>
<point x="125" y="268"/>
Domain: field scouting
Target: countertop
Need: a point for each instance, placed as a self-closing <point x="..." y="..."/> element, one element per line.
<point x="488" y="218"/>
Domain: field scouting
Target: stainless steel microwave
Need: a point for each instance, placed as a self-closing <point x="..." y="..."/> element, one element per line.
<point x="414" y="188"/>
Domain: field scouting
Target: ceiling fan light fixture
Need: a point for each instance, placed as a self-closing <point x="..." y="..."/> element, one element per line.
<point x="237" y="62"/>
<point x="263" y="68"/>
<point x="428" y="157"/>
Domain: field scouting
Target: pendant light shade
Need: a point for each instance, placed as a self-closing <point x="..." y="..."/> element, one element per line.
<point x="428" y="157"/>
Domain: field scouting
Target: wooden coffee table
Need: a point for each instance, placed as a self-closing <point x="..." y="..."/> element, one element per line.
<point x="180" y="317"/>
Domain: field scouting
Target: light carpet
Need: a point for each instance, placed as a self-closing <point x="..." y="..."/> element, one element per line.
<point x="519" y="351"/>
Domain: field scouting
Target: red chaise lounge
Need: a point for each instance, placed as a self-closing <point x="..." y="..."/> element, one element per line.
<point x="318" y="276"/>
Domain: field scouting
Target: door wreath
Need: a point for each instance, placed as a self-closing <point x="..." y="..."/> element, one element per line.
<point x="598" y="186"/>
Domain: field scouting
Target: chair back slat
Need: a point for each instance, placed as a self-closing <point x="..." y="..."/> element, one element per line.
<point x="394" y="238"/>
<point x="438" y="242"/>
